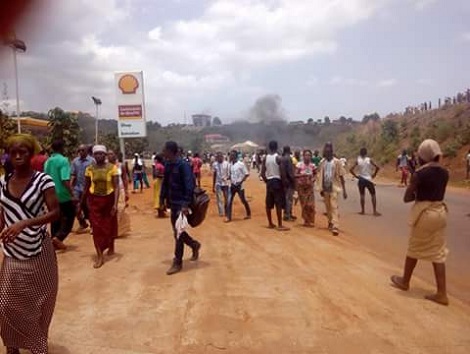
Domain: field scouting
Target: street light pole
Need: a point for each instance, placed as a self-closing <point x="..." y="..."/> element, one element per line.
<point x="18" y="121"/>
<point x="97" y="103"/>
<point x="17" y="46"/>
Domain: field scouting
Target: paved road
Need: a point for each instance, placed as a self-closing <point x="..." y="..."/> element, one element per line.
<point x="388" y="235"/>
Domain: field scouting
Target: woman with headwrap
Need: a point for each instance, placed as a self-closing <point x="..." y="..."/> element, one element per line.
<point x="428" y="220"/>
<point x="28" y="278"/>
<point x="102" y="197"/>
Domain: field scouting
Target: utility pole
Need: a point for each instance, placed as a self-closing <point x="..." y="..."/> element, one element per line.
<point x="97" y="103"/>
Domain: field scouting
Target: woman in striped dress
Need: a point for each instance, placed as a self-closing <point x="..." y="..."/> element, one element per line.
<point x="28" y="277"/>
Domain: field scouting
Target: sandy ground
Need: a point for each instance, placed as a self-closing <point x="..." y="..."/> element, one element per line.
<point x="253" y="290"/>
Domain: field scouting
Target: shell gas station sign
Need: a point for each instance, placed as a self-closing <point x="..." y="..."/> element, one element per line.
<point x="130" y="104"/>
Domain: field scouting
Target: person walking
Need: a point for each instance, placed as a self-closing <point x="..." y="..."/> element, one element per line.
<point x="29" y="276"/>
<point x="305" y="175"/>
<point x="38" y="161"/>
<point x="365" y="165"/>
<point x="196" y="164"/>
<point x="238" y="175"/>
<point x="316" y="159"/>
<point x="428" y="220"/>
<point x="58" y="167"/>
<point x="220" y="183"/>
<point x="79" y="165"/>
<point x="275" y="195"/>
<point x="468" y="164"/>
<point x="123" y="219"/>
<point x="403" y="165"/>
<point x="137" y="173"/>
<point x="288" y="170"/>
<point x="157" y="185"/>
<point x="177" y="193"/>
<point x="102" y="197"/>
<point x="330" y="182"/>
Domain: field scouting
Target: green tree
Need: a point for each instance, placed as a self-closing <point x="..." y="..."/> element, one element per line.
<point x="136" y="145"/>
<point x="375" y="117"/>
<point x="111" y="141"/>
<point x="216" y="121"/>
<point x="64" y="126"/>
<point x="390" y="131"/>
<point x="7" y="128"/>
<point x="327" y="120"/>
<point x="343" y="120"/>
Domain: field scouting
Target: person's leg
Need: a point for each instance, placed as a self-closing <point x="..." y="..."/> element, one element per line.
<point x="441" y="295"/>
<point x="334" y="213"/>
<point x="327" y="201"/>
<point x="241" y="193"/>
<point x="67" y="211"/>
<point x="141" y="181"/>
<point x="269" y="205"/>
<point x="230" y="204"/>
<point x="226" y="194"/>
<point x="219" y="196"/>
<point x="289" y="204"/>
<point x="362" y="196"/>
<point x="403" y="283"/>
<point x="136" y="181"/>
<point x="195" y="245"/>
<point x="179" y="246"/>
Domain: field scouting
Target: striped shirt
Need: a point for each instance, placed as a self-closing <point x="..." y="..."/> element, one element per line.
<point x="30" y="205"/>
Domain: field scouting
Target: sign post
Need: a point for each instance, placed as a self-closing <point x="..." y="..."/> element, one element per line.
<point x="130" y="106"/>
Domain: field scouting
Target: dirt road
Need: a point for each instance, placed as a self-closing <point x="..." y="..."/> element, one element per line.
<point x="253" y="291"/>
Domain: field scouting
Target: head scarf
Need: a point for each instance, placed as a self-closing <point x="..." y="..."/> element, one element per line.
<point x="429" y="150"/>
<point x="27" y="140"/>
<point x="99" y="148"/>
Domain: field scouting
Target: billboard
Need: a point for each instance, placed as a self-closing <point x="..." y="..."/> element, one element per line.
<point x="130" y="101"/>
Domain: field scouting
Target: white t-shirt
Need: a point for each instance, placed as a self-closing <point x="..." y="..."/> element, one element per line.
<point x="365" y="167"/>
<point x="238" y="171"/>
<point x="222" y="171"/>
<point x="273" y="171"/>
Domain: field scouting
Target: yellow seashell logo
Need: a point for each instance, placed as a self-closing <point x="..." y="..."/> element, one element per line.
<point x="128" y="84"/>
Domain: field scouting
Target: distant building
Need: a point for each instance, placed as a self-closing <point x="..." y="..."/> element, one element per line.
<point x="201" y="120"/>
<point x="297" y="122"/>
<point x="216" y="139"/>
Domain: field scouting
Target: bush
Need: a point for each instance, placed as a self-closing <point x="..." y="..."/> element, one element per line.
<point x="443" y="131"/>
<point x="451" y="149"/>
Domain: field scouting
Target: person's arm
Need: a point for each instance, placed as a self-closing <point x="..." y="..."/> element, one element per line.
<point x="263" y="171"/>
<point x="164" y="189"/>
<point x="115" y="182"/>
<point x="353" y="172"/>
<point x="10" y="233"/>
<point x="410" y="193"/>
<point x="246" y="174"/>
<point x="377" y="169"/>
<point x="214" y="178"/>
<point x="65" y="178"/>
<point x="342" y="173"/>
<point x="2" y="220"/>
<point x="73" y="175"/>
<point x="125" y="181"/>
<point x="86" y="191"/>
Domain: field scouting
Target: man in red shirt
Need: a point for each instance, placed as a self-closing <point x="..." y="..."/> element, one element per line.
<point x="38" y="161"/>
<point x="196" y="164"/>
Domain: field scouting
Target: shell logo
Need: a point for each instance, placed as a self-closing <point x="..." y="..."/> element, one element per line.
<point x="128" y="84"/>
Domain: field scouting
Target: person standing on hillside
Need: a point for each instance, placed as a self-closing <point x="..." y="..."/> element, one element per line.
<point x="403" y="165"/>
<point x="288" y="169"/>
<point x="330" y="183"/>
<point x="365" y="176"/>
<point x="428" y="220"/>
<point x="58" y="167"/>
<point x="220" y="183"/>
<point x="275" y="196"/>
<point x="305" y="175"/>
<point x="238" y="175"/>
<point x="177" y="193"/>
<point x="79" y="165"/>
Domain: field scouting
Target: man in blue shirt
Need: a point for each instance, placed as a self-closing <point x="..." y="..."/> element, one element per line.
<point x="79" y="165"/>
<point x="177" y="193"/>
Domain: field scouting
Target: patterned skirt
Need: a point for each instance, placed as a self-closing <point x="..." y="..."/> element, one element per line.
<point x="28" y="292"/>
<point x="104" y="225"/>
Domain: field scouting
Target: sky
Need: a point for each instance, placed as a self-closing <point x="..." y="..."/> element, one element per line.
<point x="321" y="57"/>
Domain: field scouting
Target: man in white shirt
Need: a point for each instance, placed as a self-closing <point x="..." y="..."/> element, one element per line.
<point x="238" y="174"/>
<point x="365" y="164"/>
<point x="220" y="184"/>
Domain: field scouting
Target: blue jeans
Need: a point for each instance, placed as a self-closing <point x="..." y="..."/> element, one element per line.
<point x="222" y="194"/>
<point x="234" y="190"/>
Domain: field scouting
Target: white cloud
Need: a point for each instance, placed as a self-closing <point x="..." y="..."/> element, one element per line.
<point x="422" y="4"/>
<point x="465" y="36"/>
<point x="80" y="43"/>
<point x="387" y="83"/>
<point x="342" y="81"/>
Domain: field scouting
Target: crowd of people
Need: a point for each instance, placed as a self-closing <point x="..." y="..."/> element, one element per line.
<point x="40" y="190"/>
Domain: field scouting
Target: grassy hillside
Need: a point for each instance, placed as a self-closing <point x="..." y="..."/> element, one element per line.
<point x="385" y="139"/>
